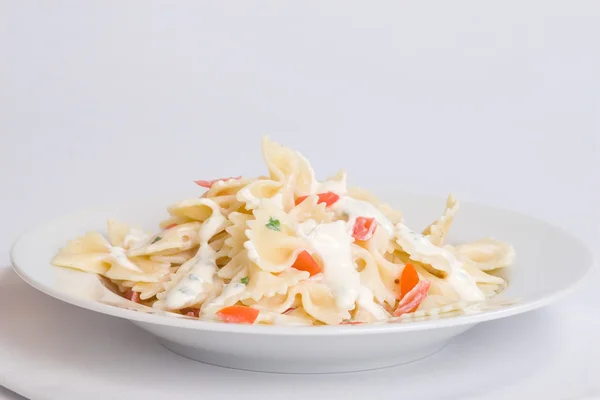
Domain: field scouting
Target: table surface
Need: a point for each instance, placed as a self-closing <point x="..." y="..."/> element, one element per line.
<point x="500" y="103"/>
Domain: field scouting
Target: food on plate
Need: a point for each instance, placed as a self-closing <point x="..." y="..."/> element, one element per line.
<point x="287" y="249"/>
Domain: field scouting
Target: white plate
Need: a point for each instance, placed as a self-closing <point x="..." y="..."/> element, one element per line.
<point x="549" y="263"/>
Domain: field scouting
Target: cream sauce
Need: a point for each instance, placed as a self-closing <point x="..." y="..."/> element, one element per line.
<point x="333" y="243"/>
<point x="201" y="269"/>
<point x="230" y="291"/>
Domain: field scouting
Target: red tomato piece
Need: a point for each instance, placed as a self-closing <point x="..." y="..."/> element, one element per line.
<point x="238" y="314"/>
<point x="411" y="301"/>
<point x="305" y="262"/>
<point x="364" y="228"/>
<point x="208" y="184"/>
<point x="408" y="280"/>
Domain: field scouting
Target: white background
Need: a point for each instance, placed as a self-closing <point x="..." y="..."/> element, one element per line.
<point x="496" y="101"/>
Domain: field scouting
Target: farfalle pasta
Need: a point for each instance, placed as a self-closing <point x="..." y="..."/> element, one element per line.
<point x="287" y="249"/>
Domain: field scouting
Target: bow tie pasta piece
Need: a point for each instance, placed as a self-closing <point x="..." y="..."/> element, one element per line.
<point x="197" y="278"/>
<point x="371" y="278"/>
<point x="420" y="249"/>
<point x="237" y="233"/>
<point x="224" y="193"/>
<point x="310" y="297"/>
<point x="486" y="254"/>
<point x="253" y="193"/>
<point x="257" y="283"/>
<point x="290" y="168"/>
<point x="92" y="253"/>
<point x="389" y="266"/>
<point x="272" y="242"/>
<point x="437" y="231"/>
<point x="266" y="284"/>
<point x="311" y="209"/>
<point x="171" y="241"/>
<point x="318" y="302"/>
<point x="87" y="253"/>
<point x="193" y="282"/>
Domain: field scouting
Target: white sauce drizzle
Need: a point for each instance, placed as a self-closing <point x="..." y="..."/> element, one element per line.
<point x="191" y="289"/>
<point x="461" y="281"/>
<point x="333" y="243"/>
<point x="231" y="290"/>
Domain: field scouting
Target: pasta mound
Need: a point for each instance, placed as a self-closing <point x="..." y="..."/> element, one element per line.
<point x="287" y="249"/>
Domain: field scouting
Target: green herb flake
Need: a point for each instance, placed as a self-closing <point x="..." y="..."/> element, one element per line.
<point x="156" y="239"/>
<point x="274" y="224"/>
<point x="244" y="280"/>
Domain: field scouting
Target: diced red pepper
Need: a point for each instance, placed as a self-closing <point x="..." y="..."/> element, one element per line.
<point x="238" y="314"/>
<point x="408" y="279"/>
<point x="208" y="184"/>
<point x="328" y="198"/>
<point x="289" y="310"/>
<point x="364" y="228"/>
<point x="305" y="262"/>
<point x="412" y="299"/>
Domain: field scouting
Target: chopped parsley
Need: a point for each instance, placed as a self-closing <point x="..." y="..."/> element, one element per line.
<point x="274" y="224"/>
<point x="244" y="280"/>
<point x="156" y="239"/>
